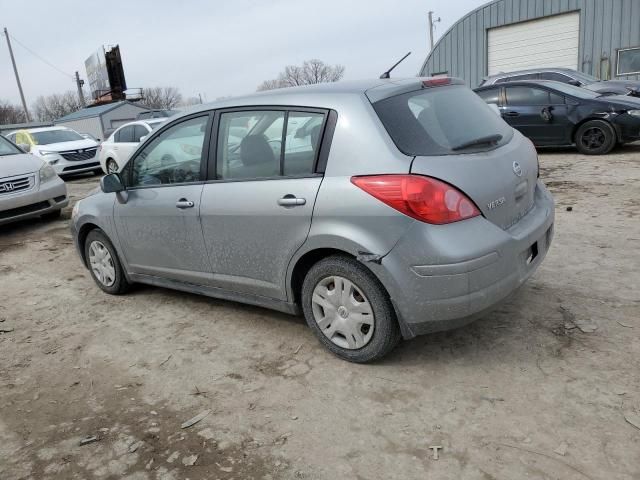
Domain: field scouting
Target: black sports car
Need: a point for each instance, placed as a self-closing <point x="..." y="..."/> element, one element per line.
<point x="554" y="113"/>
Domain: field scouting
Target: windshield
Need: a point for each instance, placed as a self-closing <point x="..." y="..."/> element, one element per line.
<point x="8" y="148"/>
<point x="55" y="136"/>
<point x="584" y="77"/>
<point x="574" y="91"/>
<point x="441" y="121"/>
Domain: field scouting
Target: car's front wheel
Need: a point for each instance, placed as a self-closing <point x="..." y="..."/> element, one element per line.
<point x="112" y="166"/>
<point x="104" y="264"/>
<point x="349" y="310"/>
<point x="595" y="137"/>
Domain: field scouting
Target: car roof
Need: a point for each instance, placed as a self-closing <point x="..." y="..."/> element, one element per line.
<point x="515" y="83"/>
<point x="531" y="70"/>
<point x="322" y="95"/>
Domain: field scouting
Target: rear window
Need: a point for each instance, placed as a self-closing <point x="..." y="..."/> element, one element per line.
<point x="442" y="121"/>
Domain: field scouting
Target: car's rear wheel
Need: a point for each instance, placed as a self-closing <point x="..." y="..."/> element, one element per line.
<point x="112" y="166"/>
<point x="595" y="137"/>
<point x="104" y="264"/>
<point x="349" y="310"/>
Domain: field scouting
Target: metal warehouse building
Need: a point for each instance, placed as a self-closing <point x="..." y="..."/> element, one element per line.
<point x="101" y="120"/>
<point x="599" y="37"/>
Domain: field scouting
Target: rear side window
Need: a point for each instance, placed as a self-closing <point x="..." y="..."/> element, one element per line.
<point x="441" y="121"/>
<point x="267" y="144"/>
<point x="526" y="96"/>
<point x="490" y="96"/>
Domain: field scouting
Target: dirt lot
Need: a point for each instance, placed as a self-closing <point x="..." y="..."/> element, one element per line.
<point x="547" y="387"/>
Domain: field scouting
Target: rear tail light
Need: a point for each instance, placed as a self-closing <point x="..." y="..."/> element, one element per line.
<point x="423" y="198"/>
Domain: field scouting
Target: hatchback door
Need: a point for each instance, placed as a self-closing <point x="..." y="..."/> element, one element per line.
<point x="476" y="152"/>
<point x="257" y="213"/>
<point x="158" y="216"/>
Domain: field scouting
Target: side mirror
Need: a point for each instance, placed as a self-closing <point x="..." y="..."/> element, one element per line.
<point x="26" y="148"/>
<point x="112" y="183"/>
<point x="143" y="138"/>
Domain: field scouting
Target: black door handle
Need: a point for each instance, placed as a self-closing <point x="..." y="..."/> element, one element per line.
<point x="511" y="114"/>
<point x="183" y="203"/>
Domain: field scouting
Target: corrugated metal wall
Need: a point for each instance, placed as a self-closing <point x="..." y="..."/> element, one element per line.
<point x="119" y="116"/>
<point x="605" y="26"/>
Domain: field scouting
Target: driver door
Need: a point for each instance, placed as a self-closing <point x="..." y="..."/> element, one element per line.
<point x="158" y="217"/>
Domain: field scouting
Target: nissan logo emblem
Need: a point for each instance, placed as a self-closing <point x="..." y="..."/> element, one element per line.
<point x="517" y="169"/>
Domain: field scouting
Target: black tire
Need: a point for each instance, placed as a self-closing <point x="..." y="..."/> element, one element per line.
<point x="52" y="215"/>
<point x="386" y="332"/>
<point x="109" y="163"/>
<point x="595" y="137"/>
<point x="120" y="284"/>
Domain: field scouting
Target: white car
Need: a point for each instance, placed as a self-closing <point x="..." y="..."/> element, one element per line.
<point x="29" y="187"/>
<point x="64" y="149"/>
<point x="116" y="150"/>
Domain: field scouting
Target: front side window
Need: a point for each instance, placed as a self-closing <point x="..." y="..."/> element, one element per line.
<point x="138" y="132"/>
<point x="175" y="156"/>
<point x="628" y="61"/>
<point x="266" y="144"/>
<point x="526" y="96"/>
<point x="124" y="135"/>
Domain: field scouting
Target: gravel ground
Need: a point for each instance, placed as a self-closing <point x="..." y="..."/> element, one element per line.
<point x="546" y="387"/>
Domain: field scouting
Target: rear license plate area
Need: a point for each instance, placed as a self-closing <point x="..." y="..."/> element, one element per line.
<point x="532" y="253"/>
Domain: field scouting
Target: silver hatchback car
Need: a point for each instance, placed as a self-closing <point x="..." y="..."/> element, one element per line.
<point x="382" y="209"/>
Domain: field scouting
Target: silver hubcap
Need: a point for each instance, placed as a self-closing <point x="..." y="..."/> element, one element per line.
<point x="112" y="167"/>
<point x="342" y="312"/>
<point x="102" y="263"/>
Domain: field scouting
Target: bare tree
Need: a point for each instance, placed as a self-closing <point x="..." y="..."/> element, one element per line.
<point x="10" y="114"/>
<point x="165" y="98"/>
<point x="55" y="106"/>
<point x="310" y="72"/>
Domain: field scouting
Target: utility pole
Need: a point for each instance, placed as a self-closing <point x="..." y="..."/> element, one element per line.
<point x="200" y="97"/>
<point x="432" y="23"/>
<point x="15" y="70"/>
<point x="79" y="84"/>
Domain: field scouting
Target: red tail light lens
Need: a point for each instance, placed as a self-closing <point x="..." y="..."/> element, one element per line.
<point x="437" y="82"/>
<point x="423" y="198"/>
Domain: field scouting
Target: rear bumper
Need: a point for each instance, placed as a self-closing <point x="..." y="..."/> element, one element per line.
<point x="45" y="198"/>
<point x="443" y="277"/>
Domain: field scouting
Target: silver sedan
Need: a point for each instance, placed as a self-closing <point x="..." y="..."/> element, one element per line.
<point x="29" y="187"/>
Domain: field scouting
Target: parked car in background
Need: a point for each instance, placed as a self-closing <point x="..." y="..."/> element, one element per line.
<point x="114" y="152"/>
<point x="156" y="114"/>
<point x="29" y="186"/>
<point x="64" y="149"/>
<point x="571" y="77"/>
<point x="553" y="113"/>
<point x="397" y="217"/>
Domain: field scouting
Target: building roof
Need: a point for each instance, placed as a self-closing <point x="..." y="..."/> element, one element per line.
<point x="97" y="111"/>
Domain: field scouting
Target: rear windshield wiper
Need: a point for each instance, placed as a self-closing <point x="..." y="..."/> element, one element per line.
<point x="489" y="139"/>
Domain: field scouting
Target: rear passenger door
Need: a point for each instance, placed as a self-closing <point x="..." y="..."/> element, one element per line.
<point x="257" y="211"/>
<point x="539" y="114"/>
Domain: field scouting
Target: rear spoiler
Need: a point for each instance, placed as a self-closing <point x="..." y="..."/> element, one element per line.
<point x="398" y="87"/>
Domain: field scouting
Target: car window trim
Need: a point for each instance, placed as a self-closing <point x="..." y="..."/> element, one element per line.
<point x="212" y="176"/>
<point x="128" y="169"/>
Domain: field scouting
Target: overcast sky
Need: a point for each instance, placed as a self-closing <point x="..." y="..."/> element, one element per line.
<point x="217" y="48"/>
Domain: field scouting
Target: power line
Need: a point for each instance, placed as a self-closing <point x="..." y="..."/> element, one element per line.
<point x="40" y="58"/>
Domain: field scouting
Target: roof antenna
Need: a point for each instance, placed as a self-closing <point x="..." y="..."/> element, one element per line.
<point x="387" y="74"/>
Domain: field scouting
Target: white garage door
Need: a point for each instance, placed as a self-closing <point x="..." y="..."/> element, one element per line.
<point x="547" y="42"/>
